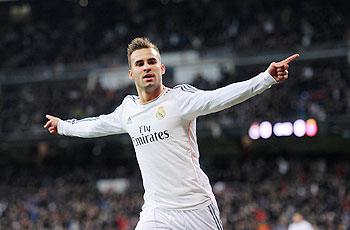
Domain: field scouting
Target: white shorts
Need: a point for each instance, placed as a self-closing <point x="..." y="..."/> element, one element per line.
<point x="207" y="218"/>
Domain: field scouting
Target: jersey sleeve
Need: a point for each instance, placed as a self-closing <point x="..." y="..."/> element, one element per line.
<point x="193" y="102"/>
<point x="102" y="125"/>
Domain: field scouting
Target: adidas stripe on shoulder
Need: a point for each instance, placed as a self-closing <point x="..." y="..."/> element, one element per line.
<point x="132" y="97"/>
<point x="187" y="88"/>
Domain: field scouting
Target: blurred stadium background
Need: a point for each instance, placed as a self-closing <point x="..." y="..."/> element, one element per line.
<point x="68" y="58"/>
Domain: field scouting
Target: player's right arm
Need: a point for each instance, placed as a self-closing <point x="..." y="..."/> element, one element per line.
<point x="102" y="125"/>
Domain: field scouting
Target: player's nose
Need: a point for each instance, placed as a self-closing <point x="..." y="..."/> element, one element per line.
<point x="146" y="67"/>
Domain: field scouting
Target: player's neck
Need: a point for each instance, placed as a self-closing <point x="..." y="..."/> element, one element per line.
<point x="147" y="97"/>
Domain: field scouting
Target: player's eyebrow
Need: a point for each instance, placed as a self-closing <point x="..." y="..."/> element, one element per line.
<point x="152" y="59"/>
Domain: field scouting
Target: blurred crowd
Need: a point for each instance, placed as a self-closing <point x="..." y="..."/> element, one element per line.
<point x="261" y="193"/>
<point x="56" y="32"/>
<point x="255" y="193"/>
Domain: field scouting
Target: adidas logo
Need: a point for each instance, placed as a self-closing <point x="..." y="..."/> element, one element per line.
<point x="129" y="121"/>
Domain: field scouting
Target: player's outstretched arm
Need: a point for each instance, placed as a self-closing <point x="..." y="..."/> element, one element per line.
<point x="279" y="70"/>
<point x="201" y="102"/>
<point x="89" y="127"/>
<point x="51" y="124"/>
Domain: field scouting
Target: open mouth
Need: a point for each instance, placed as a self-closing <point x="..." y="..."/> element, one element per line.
<point x="149" y="76"/>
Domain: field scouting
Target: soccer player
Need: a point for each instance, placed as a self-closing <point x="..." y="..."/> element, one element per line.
<point x="161" y="122"/>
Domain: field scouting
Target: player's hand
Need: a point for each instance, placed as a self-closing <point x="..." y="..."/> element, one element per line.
<point x="51" y="124"/>
<point x="279" y="70"/>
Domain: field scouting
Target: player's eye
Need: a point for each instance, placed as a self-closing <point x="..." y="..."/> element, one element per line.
<point x="139" y="63"/>
<point x="152" y="61"/>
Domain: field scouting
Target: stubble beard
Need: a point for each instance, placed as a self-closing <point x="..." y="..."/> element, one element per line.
<point x="150" y="87"/>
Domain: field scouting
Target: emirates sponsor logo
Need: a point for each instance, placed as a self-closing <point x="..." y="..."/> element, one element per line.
<point x="148" y="136"/>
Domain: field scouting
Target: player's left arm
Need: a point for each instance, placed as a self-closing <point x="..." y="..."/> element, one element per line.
<point x="204" y="102"/>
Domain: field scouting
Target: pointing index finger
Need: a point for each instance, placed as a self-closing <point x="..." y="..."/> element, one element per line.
<point x="289" y="59"/>
<point x="49" y="116"/>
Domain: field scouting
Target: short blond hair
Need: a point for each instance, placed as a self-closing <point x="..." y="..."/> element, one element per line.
<point x="139" y="43"/>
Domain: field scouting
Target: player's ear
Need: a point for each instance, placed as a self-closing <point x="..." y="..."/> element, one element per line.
<point x="162" y="68"/>
<point x="130" y="74"/>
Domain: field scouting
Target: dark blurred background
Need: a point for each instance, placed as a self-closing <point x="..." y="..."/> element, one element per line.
<point x="68" y="58"/>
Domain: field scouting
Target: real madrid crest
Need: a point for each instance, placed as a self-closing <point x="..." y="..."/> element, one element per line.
<point x="160" y="113"/>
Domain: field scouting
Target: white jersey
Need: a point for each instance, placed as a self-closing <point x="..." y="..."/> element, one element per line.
<point x="163" y="133"/>
<point x="303" y="225"/>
